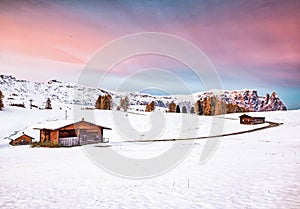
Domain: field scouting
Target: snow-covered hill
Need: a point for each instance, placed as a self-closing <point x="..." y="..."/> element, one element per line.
<point x="18" y="91"/>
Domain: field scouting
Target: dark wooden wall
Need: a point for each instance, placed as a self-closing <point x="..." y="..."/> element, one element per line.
<point x="22" y="140"/>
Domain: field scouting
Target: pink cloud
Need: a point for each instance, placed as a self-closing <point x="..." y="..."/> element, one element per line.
<point x="63" y="37"/>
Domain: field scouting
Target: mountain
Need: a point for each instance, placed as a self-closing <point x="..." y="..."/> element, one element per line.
<point x="18" y="91"/>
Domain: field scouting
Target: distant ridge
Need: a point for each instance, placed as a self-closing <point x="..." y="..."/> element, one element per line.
<point x="21" y="91"/>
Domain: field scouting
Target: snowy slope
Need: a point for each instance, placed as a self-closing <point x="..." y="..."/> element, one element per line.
<point x="125" y="126"/>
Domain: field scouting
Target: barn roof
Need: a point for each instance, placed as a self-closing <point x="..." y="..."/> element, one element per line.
<point x="245" y="116"/>
<point x="54" y="125"/>
<point x="248" y="116"/>
<point x="17" y="135"/>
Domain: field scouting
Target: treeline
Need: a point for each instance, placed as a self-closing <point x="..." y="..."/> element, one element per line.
<point x="104" y="102"/>
<point x="209" y="106"/>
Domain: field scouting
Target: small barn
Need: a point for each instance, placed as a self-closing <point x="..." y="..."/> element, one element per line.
<point x="20" y="139"/>
<point x="72" y="134"/>
<point x="249" y="120"/>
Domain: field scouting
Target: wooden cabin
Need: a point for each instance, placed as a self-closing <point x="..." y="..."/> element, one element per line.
<point x="74" y="134"/>
<point x="249" y="120"/>
<point x="20" y="139"/>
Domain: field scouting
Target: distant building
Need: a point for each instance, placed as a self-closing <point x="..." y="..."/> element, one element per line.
<point x="20" y="139"/>
<point x="72" y="134"/>
<point x="249" y="120"/>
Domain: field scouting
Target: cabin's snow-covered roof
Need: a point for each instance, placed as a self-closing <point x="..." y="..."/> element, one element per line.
<point x="249" y="116"/>
<point x="17" y="135"/>
<point x="53" y="125"/>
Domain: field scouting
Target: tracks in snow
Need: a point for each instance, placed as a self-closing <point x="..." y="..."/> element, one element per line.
<point x="271" y="125"/>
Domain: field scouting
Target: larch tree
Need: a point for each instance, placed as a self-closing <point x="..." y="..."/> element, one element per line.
<point x="98" y="103"/>
<point x="172" y="107"/>
<point x="206" y="106"/>
<point x="106" y="102"/>
<point x="150" y="107"/>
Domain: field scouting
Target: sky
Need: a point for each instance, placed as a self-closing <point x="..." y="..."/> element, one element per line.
<point x="252" y="44"/>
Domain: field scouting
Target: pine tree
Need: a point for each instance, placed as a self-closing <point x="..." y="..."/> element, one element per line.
<point x="98" y="103"/>
<point x="172" y="107"/>
<point x="177" y="109"/>
<point x="48" y="104"/>
<point x="1" y="100"/>
<point x="192" y="110"/>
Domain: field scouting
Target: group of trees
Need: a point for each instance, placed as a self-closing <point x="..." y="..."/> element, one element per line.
<point x="104" y="102"/>
<point x="209" y="106"/>
<point x="175" y="108"/>
<point x="216" y="106"/>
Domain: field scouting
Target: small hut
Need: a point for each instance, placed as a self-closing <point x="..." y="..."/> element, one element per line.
<point x="72" y="134"/>
<point x="20" y="139"/>
<point x="249" y="120"/>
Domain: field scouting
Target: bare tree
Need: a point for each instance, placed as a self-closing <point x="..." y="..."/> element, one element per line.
<point x="1" y="100"/>
<point x="124" y="103"/>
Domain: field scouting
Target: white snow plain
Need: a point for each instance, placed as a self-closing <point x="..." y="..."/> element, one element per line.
<point x="260" y="169"/>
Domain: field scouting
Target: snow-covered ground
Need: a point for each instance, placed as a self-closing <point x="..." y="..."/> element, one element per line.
<point x="138" y="125"/>
<point x="255" y="170"/>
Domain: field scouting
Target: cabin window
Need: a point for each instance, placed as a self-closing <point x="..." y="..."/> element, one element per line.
<point x="67" y="133"/>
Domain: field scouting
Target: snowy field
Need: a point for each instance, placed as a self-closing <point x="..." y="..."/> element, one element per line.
<point x="260" y="169"/>
<point x="139" y="125"/>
